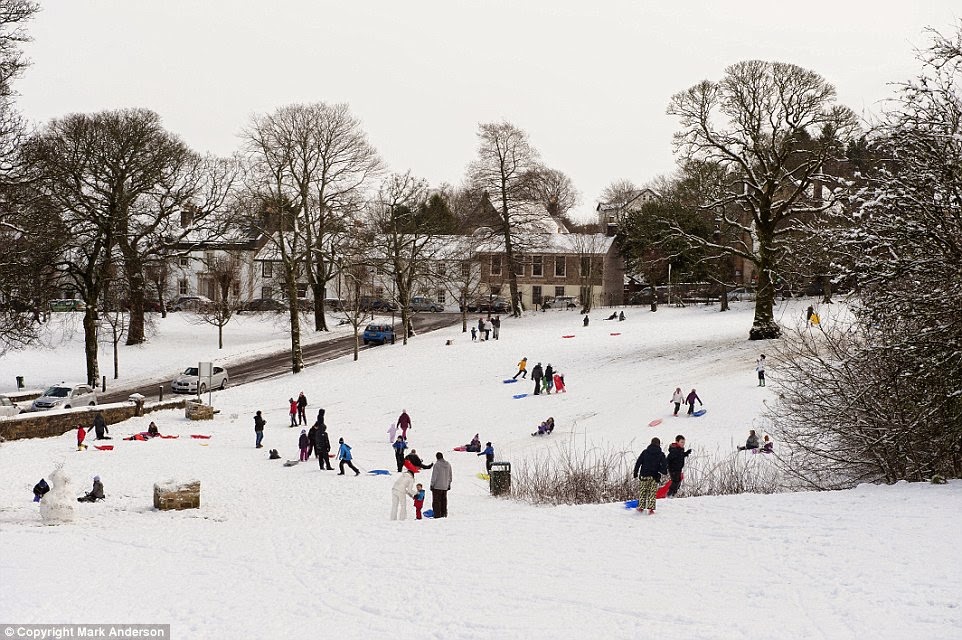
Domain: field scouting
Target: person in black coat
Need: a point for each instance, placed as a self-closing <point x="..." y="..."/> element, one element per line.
<point x="100" y="427"/>
<point x="301" y="408"/>
<point x="537" y="374"/>
<point x="322" y="447"/>
<point x="650" y="466"/>
<point x="311" y="439"/>
<point x="415" y="461"/>
<point x="676" y="462"/>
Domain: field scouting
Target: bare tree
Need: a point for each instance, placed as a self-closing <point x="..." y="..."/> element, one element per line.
<point x="457" y="269"/>
<point x="555" y="191"/>
<point x="224" y="272"/>
<point x="772" y="126"/>
<point x="588" y="248"/>
<point x="112" y="314"/>
<point x="354" y="263"/>
<point x="506" y="169"/>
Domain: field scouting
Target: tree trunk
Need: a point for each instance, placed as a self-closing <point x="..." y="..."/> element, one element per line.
<point x="764" y="326"/>
<point x="220" y="335"/>
<point x="826" y="290"/>
<point x="320" y="321"/>
<point x="134" y="268"/>
<point x="724" y="297"/>
<point x="90" y="342"/>
<point x="297" y="356"/>
<point x="356" y="340"/>
<point x="116" y="360"/>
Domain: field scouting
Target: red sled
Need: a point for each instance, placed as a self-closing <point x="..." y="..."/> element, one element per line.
<point x="567" y="336"/>
<point x="461" y="448"/>
<point x="167" y="437"/>
<point x="197" y="436"/>
<point x="663" y="490"/>
<point x="104" y="447"/>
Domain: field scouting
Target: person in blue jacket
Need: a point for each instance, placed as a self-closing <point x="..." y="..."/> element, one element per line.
<point x="488" y="454"/>
<point x="399" y="446"/>
<point x="344" y="455"/>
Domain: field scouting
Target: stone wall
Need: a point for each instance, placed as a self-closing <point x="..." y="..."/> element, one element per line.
<point x="44" y="424"/>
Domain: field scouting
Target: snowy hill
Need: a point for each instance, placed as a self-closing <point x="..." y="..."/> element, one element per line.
<point x="294" y="552"/>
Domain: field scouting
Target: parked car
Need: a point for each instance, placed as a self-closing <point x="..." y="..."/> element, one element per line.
<point x="7" y="407"/>
<point x="425" y="304"/>
<point x="187" y="381"/>
<point x="377" y="333"/>
<point x="265" y="304"/>
<point x="67" y="304"/>
<point x="190" y="303"/>
<point x="370" y="303"/>
<point x="741" y="294"/>
<point x="65" y="396"/>
<point x="560" y="302"/>
<point x="645" y="296"/>
<point x="150" y="305"/>
<point x="485" y="304"/>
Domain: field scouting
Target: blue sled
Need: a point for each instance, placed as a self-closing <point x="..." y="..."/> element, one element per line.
<point x="428" y="514"/>
<point x="509" y="381"/>
<point x="520" y="395"/>
<point x="631" y="504"/>
<point x="700" y="412"/>
<point x="379" y="472"/>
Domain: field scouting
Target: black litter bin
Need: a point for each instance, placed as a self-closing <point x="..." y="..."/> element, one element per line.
<point x="500" y="478"/>
<point x="19" y="382"/>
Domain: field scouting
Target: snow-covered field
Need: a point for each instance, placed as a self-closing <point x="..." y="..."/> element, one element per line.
<point x="174" y="343"/>
<point x="296" y="552"/>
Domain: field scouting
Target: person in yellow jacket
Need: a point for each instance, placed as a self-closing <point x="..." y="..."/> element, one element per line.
<point x="522" y="369"/>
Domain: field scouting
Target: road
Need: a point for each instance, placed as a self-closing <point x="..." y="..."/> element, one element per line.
<point x="276" y="364"/>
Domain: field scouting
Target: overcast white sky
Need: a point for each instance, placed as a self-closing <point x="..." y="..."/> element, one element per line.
<point x="588" y="79"/>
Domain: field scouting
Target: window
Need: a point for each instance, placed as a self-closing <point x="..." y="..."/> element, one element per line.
<point x="519" y="266"/>
<point x="537" y="266"/>
<point x="301" y="290"/>
<point x="496" y="265"/>
<point x="559" y="267"/>
<point x="378" y="292"/>
<point x="585" y="267"/>
<point x="536" y="294"/>
<point x="183" y="287"/>
<point x="559" y="292"/>
<point x="235" y="289"/>
<point x="465" y="269"/>
<point x="210" y="258"/>
<point x="185" y="218"/>
<point x="184" y="261"/>
<point x="267" y="269"/>
<point x="267" y="292"/>
<point x="442" y="268"/>
<point x="442" y="297"/>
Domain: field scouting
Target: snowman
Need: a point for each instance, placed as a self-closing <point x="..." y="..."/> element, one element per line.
<point x="57" y="506"/>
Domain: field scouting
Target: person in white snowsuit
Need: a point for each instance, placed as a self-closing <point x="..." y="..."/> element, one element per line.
<point x="678" y="397"/>
<point x="402" y="490"/>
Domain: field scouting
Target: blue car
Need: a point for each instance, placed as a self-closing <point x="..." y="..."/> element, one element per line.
<point x="378" y="333"/>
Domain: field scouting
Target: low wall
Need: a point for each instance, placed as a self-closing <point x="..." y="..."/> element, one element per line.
<point x="44" y="424"/>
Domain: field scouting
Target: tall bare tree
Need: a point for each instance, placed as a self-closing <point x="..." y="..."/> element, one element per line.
<point x="224" y="271"/>
<point x="555" y="191"/>
<point x="772" y="126"/>
<point x="507" y="170"/>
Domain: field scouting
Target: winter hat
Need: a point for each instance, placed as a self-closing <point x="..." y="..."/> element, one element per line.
<point x="303" y="431"/>
<point x="96" y="478"/>
<point x="340" y="440"/>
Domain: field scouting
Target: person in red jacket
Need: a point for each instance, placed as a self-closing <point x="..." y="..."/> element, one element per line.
<point x="81" y="434"/>
<point x="293" y="411"/>
<point x="404" y="423"/>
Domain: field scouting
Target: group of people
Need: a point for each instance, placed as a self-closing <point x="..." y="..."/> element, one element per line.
<point x="486" y="329"/>
<point x="545" y="378"/>
<point x="298" y="410"/>
<point x="615" y="315"/>
<point x="678" y="398"/>
<point x="405" y="487"/>
<point x="752" y="444"/>
<point x="96" y="492"/>
<point x="652" y="464"/>
<point x="100" y="430"/>
<point x="545" y="428"/>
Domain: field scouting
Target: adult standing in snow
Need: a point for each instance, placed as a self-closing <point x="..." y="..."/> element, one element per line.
<point x="480" y="328"/>
<point x="691" y="402"/>
<point x="404" y="423"/>
<point x="311" y="437"/>
<point x="440" y="485"/>
<point x="537" y="374"/>
<point x="496" y="326"/>
<point x="809" y="313"/>
<point x="522" y="369"/>
<point x="399" y="446"/>
<point x="585" y="321"/>
<point x="548" y="378"/>
<point x="760" y="368"/>
<point x="100" y="426"/>
<point x="402" y="489"/>
<point x="651" y="464"/>
<point x="676" y="462"/>
<point x="488" y="454"/>
<point x="322" y="447"/>
<point x="678" y="397"/>
<point x="344" y="455"/>
<point x="259" y="423"/>
<point x="301" y="408"/>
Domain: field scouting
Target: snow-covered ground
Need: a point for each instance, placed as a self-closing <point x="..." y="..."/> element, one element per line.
<point x="294" y="552"/>
<point x="174" y="343"/>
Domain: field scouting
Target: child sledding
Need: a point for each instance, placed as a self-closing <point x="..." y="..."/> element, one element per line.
<point x="545" y="428"/>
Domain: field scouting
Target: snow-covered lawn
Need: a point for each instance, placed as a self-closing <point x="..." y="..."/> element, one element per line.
<point x="174" y="343"/>
<point x="296" y="552"/>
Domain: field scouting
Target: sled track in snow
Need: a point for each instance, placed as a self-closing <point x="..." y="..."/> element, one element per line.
<point x="278" y="363"/>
